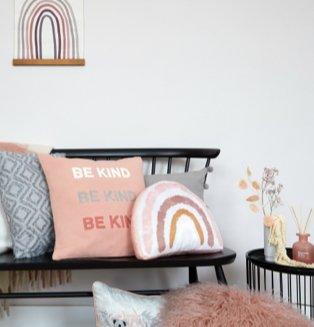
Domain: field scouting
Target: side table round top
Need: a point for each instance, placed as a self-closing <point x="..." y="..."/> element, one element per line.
<point x="257" y="257"/>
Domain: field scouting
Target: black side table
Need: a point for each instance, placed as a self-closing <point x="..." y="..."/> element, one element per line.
<point x="294" y="285"/>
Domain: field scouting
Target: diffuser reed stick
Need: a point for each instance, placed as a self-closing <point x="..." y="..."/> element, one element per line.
<point x="307" y="221"/>
<point x="298" y="221"/>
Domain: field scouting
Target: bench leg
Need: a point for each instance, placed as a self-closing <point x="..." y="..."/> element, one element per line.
<point x="193" y="278"/>
<point x="221" y="278"/>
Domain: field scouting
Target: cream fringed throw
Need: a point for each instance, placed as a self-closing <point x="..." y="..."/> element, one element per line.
<point x="278" y="238"/>
<point x="19" y="281"/>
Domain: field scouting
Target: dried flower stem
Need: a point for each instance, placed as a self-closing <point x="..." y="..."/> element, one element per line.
<point x="266" y="195"/>
<point x="263" y="199"/>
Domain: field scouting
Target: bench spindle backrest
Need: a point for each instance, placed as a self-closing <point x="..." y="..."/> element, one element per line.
<point x="154" y="155"/>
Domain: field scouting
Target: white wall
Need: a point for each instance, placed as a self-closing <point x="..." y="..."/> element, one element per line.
<point x="232" y="74"/>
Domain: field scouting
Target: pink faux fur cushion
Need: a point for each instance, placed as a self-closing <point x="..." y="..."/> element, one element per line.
<point x="214" y="305"/>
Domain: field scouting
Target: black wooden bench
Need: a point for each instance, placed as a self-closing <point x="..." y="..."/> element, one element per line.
<point x="166" y="156"/>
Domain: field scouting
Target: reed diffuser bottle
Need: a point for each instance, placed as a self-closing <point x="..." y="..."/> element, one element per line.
<point x="302" y="250"/>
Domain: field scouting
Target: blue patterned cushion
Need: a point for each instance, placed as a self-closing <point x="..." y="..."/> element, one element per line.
<point x="25" y="199"/>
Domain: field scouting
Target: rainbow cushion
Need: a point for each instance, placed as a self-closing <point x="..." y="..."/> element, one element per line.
<point x="169" y="219"/>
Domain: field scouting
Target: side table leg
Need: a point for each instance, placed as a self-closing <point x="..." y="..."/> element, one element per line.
<point x="221" y="278"/>
<point x="248" y="274"/>
<point x="193" y="278"/>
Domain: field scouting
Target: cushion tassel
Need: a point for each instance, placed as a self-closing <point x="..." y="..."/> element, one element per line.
<point x="33" y="280"/>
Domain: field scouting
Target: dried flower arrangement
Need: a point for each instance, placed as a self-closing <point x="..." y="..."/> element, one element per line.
<point x="266" y="196"/>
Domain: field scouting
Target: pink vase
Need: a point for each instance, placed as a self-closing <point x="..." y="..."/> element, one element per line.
<point x="303" y="250"/>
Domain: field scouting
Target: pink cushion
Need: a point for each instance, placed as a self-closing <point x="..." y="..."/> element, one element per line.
<point x="169" y="219"/>
<point x="13" y="147"/>
<point x="92" y="204"/>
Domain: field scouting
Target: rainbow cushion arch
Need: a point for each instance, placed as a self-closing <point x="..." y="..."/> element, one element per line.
<point x="169" y="219"/>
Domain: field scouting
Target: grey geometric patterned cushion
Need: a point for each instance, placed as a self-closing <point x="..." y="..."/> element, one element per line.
<point x="25" y="199"/>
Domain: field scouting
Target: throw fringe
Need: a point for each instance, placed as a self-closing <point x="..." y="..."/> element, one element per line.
<point x="277" y="237"/>
<point x="33" y="280"/>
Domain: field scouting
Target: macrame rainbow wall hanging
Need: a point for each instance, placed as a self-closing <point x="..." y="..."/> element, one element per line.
<point x="49" y="32"/>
